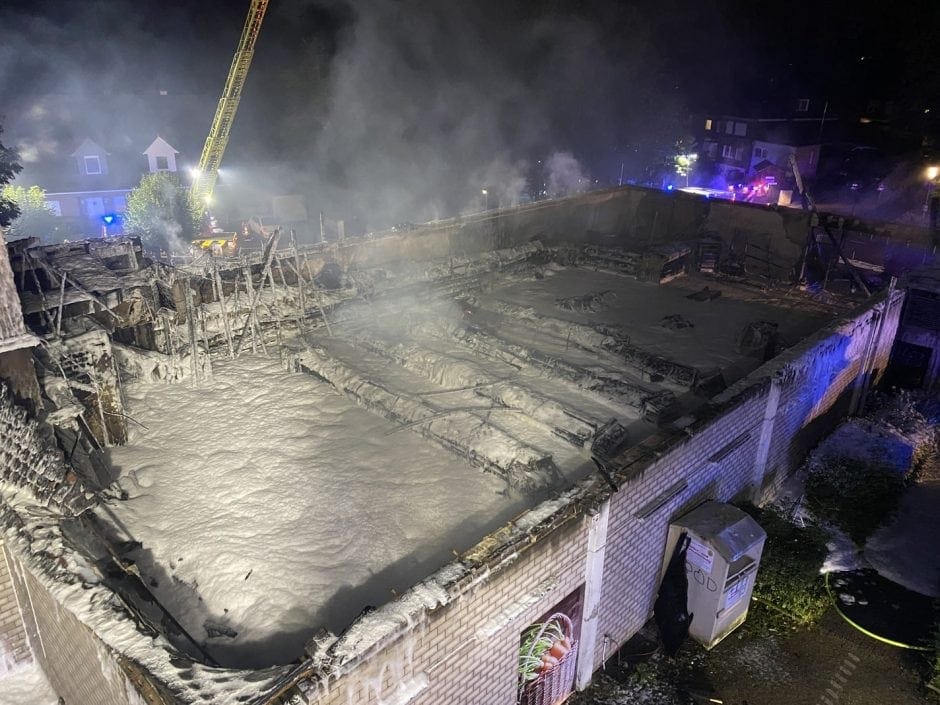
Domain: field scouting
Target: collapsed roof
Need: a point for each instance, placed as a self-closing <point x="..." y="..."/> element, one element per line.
<point x="487" y="383"/>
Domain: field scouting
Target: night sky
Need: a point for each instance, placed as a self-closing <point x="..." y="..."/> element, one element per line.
<point x="409" y="106"/>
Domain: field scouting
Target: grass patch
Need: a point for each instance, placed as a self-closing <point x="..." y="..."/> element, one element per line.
<point x="858" y="496"/>
<point x="789" y="592"/>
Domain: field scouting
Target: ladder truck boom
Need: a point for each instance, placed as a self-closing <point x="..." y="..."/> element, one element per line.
<point x="208" y="170"/>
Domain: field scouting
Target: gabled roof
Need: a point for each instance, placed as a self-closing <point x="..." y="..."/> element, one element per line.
<point x="88" y="146"/>
<point x="126" y="126"/>
<point x="160" y="148"/>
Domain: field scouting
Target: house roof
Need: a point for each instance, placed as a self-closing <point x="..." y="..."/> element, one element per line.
<point x="60" y="173"/>
<point x="796" y="133"/>
<point x="781" y="107"/>
<point x="122" y="130"/>
<point x="89" y="147"/>
<point x="160" y="148"/>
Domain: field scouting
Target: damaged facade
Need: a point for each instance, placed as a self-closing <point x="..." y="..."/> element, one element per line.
<point x="605" y="379"/>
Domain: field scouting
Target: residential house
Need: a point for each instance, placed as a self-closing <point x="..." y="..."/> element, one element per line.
<point x="90" y="186"/>
<point x="745" y="147"/>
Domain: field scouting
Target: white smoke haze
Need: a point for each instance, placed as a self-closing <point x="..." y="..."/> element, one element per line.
<point x="376" y="112"/>
<point x="31" y="151"/>
<point x="425" y="107"/>
<point x="565" y="175"/>
<point x="38" y="112"/>
<point x="505" y="183"/>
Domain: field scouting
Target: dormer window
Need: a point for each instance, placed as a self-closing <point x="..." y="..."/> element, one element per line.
<point x="161" y="156"/>
<point x="92" y="164"/>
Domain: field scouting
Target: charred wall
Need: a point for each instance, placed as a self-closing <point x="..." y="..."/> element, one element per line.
<point x="629" y="217"/>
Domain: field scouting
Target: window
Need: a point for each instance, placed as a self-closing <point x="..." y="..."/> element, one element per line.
<point x="740" y="129"/>
<point x="708" y="124"/>
<point x="711" y="149"/>
<point x="54" y="206"/>
<point x="727" y="151"/>
<point x="163" y="164"/>
<point x="92" y="164"/>
<point x="739" y="153"/>
<point x="802" y="105"/>
<point x="760" y="153"/>
<point x="729" y="127"/>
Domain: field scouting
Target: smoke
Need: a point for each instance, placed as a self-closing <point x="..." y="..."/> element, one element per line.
<point x="413" y="111"/>
<point x="565" y="175"/>
<point x="380" y="111"/>
<point x="32" y="150"/>
<point x="375" y="112"/>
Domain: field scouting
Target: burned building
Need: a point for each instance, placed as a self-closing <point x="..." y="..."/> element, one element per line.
<point x="360" y="471"/>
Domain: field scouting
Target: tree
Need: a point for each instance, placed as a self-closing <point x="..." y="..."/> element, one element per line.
<point x="35" y="218"/>
<point x="9" y="168"/>
<point x="161" y="212"/>
<point x="685" y="157"/>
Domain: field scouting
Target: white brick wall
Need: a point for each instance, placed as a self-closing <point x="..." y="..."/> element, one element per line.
<point x="465" y="653"/>
<point x="14" y="648"/>
<point x="462" y="669"/>
<point x="81" y="669"/>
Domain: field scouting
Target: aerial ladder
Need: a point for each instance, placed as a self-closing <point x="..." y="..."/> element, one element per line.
<point x="208" y="170"/>
<point x="809" y="204"/>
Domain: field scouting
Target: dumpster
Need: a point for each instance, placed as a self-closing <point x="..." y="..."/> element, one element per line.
<point x="724" y="551"/>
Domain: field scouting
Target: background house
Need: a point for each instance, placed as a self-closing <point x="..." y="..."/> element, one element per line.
<point x="739" y="146"/>
<point x="89" y="186"/>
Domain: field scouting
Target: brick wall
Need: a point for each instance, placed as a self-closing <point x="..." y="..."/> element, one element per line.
<point x="636" y="543"/>
<point x="14" y="649"/>
<point x="81" y="669"/>
<point x="32" y="623"/>
<point x="465" y="652"/>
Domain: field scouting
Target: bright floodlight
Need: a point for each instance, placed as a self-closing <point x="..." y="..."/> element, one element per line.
<point x="933" y="172"/>
<point x="484" y="192"/>
<point x="195" y="172"/>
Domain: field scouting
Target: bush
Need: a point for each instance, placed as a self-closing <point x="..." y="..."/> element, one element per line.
<point x="856" y="495"/>
<point x="789" y="591"/>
